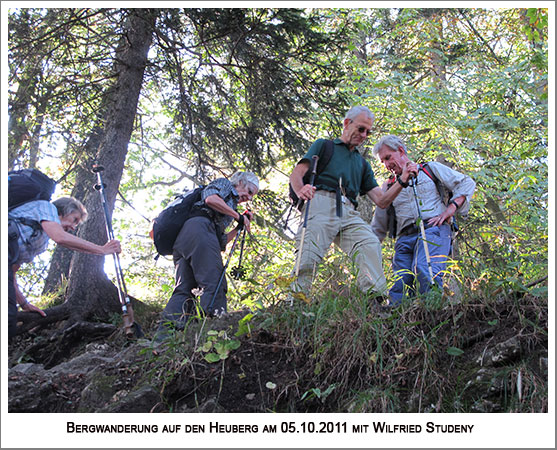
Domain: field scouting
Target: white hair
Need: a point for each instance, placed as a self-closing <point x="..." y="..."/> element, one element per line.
<point x="355" y="111"/>
<point x="243" y="178"/>
<point x="67" y="205"/>
<point x="391" y="141"/>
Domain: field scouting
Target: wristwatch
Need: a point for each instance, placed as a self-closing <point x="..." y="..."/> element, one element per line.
<point x="402" y="183"/>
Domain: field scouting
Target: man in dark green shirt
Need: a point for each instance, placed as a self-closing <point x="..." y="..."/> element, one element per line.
<point x="343" y="178"/>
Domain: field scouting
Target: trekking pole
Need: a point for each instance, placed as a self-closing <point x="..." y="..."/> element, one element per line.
<point x="238" y="272"/>
<point x="305" y="224"/>
<point x="422" y="229"/>
<point x="130" y="326"/>
<point x="225" y="267"/>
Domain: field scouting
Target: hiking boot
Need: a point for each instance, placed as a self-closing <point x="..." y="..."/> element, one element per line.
<point x="377" y="299"/>
<point x="381" y="311"/>
<point x="161" y="335"/>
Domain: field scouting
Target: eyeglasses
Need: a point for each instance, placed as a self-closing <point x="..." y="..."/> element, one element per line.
<point x="362" y="129"/>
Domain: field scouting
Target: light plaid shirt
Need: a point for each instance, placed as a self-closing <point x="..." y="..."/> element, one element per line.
<point x="31" y="242"/>
<point x="225" y="190"/>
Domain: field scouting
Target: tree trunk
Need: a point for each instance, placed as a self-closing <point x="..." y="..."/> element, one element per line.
<point x="35" y="138"/>
<point x="61" y="258"/>
<point x="19" y="106"/>
<point x="90" y="292"/>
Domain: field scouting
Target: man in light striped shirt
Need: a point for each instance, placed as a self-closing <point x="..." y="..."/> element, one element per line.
<point x="410" y="262"/>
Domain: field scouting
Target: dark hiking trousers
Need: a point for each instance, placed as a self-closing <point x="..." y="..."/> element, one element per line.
<point x="13" y="250"/>
<point x="198" y="264"/>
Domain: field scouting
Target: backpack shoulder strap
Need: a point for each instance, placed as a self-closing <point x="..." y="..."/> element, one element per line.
<point x="325" y="155"/>
<point x="429" y="172"/>
<point x="391" y="181"/>
<point x="440" y="187"/>
<point x="33" y="224"/>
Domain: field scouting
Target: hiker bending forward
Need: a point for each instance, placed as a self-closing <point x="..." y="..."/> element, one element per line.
<point x="197" y="250"/>
<point x="30" y="226"/>
<point x="410" y="263"/>
<point x="332" y="216"/>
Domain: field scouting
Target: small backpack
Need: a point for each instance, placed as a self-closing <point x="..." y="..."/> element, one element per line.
<point x="27" y="185"/>
<point x="167" y="225"/>
<point x="444" y="193"/>
<point x="24" y="186"/>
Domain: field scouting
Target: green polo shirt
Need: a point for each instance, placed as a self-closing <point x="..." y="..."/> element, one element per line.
<point x="356" y="177"/>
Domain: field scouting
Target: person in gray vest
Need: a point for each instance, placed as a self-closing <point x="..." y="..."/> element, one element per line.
<point x="30" y="226"/>
<point x="415" y="271"/>
<point x="333" y="216"/>
<point x="197" y="250"/>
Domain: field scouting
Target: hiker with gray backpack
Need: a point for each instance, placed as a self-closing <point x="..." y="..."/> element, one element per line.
<point x="421" y="218"/>
<point x="32" y="221"/>
<point x="193" y="230"/>
<point x="340" y="176"/>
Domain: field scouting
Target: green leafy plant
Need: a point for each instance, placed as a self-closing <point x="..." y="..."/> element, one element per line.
<point x="454" y="351"/>
<point x="244" y="325"/>
<point x="218" y="346"/>
<point x="318" y="393"/>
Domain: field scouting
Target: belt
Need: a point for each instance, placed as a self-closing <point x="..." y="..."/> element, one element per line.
<point x="412" y="229"/>
<point x="334" y="195"/>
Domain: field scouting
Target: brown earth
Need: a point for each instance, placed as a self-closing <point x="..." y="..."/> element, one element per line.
<point x="102" y="371"/>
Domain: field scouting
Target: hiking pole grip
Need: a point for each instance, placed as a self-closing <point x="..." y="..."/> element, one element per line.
<point x="313" y="169"/>
<point x="100" y="187"/>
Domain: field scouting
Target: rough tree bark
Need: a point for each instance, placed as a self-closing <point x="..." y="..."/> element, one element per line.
<point x="90" y="293"/>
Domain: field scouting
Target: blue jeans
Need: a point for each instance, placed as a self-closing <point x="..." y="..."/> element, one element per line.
<point x="410" y="262"/>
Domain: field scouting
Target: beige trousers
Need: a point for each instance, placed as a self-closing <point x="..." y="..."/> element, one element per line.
<point x="349" y="232"/>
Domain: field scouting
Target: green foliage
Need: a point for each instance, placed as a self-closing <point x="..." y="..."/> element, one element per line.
<point x="164" y="366"/>
<point x="58" y="59"/>
<point x="218" y="346"/>
<point x="244" y="325"/>
<point x="536" y="28"/>
<point x="250" y="88"/>
<point x="359" y="359"/>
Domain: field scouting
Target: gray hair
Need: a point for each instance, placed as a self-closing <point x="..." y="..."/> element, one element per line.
<point x="243" y="178"/>
<point x="391" y="141"/>
<point x="68" y="205"/>
<point x="355" y="111"/>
